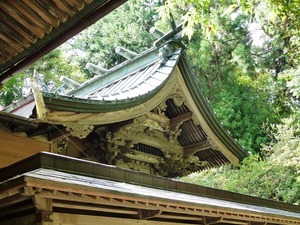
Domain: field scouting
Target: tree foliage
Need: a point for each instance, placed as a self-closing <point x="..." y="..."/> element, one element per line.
<point x="244" y="80"/>
<point x="253" y="88"/>
<point x="128" y="27"/>
<point x="12" y="90"/>
<point x="51" y="67"/>
<point x="276" y="177"/>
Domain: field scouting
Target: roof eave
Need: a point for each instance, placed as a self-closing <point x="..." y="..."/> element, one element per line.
<point x="92" y="12"/>
<point x="81" y="105"/>
<point x="45" y="160"/>
<point x="206" y="111"/>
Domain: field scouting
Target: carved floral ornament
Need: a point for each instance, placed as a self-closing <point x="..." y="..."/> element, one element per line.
<point x="153" y="129"/>
<point x="79" y="130"/>
<point x="177" y="95"/>
<point x="61" y="145"/>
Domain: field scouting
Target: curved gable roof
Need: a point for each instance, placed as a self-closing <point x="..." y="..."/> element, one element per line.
<point x="161" y="75"/>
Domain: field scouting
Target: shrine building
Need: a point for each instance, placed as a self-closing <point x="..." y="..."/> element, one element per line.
<point x="106" y="150"/>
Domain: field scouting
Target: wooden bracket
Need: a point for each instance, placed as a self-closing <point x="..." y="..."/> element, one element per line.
<point x="211" y="220"/>
<point x="147" y="214"/>
<point x="42" y="203"/>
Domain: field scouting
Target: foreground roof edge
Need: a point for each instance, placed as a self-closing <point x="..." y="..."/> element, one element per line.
<point x="97" y="170"/>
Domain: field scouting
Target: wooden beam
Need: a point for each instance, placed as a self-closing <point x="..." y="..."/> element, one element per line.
<point x="17" y="209"/>
<point x="196" y="147"/>
<point x="44" y="217"/>
<point x="234" y="222"/>
<point x="180" y="216"/>
<point x="76" y="219"/>
<point x="11" y="200"/>
<point x="42" y="203"/>
<point x="95" y="207"/>
<point x="181" y="118"/>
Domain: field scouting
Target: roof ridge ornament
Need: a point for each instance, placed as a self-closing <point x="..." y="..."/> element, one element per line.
<point x="174" y="34"/>
<point x="125" y="53"/>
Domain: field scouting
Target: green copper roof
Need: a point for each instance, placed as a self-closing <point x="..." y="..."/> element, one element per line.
<point x="137" y="81"/>
<point x="129" y="84"/>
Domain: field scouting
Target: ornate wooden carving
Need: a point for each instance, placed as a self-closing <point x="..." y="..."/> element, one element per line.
<point x="177" y="95"/>
<point x="79" y="130"/>
<point x="155" y="130"/>
<point x="61" y="146"/>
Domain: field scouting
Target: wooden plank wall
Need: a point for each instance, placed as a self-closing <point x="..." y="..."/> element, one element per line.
<point x="14" y="148"/>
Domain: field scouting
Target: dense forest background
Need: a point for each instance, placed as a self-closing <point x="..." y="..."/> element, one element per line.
<point x="246" y="55"/>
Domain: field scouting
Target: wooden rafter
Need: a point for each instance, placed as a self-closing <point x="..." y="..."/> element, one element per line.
<point x="196" y="147"/>
<point x="145" y="208"/>
<point x="181" y="118"/>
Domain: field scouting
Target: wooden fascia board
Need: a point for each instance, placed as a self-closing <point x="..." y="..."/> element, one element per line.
<point x="90" y="169"/>
<point x="42" y="188"/>
<point x="108" y="112"/>
<point x="192" y="84"/>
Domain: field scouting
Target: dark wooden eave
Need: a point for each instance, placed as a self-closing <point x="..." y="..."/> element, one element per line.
<point x="101" y="194"/>
<point x="31" y="29"/>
